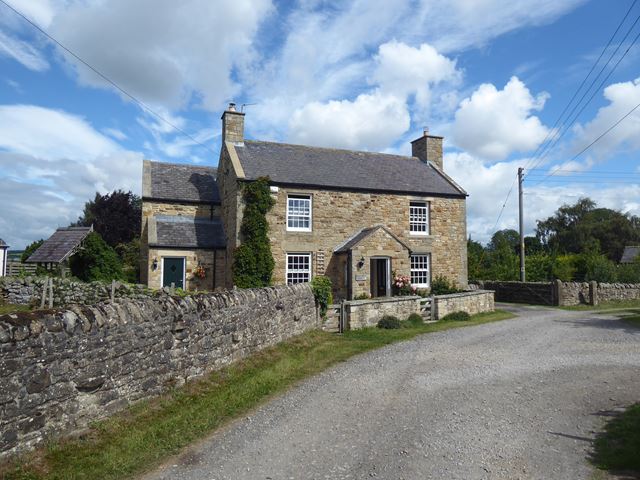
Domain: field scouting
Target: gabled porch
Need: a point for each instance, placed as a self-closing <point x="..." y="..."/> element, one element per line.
<point x="369" y="260"/>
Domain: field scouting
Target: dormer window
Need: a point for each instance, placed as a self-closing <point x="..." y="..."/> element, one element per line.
<point x="419" y="218"/>
<point x="299" y="213"/>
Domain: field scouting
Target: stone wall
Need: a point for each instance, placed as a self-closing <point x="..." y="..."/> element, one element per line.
<point x="232" y="206"/>
<point x="367" y="313"/>
<point x="477" y="301"/>
<point x="608" y="292"/>
<point x="28" y="290"/>
<point x="593" y="293"/>
<point x="61" y="369"/>
<point x="562" y="293"/>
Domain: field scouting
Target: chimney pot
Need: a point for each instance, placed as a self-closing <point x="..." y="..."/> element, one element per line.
<point x="232" y="107"/>
<point x="425" y="131"/>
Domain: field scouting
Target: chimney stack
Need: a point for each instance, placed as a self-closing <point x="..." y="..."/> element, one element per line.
<point x="232" y="125"/>
<point x="428" y="148"/>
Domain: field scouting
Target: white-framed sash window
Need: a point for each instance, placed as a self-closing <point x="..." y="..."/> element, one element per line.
<point x="299" y="213"/>
<point x="298" y="267"/>
<point x="421" y="270"/>
<point x="419" y="218"/>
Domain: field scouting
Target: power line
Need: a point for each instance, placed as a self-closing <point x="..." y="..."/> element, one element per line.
<point x="584" y="80"/>
<point x="567" y="127"/>
<point x="107" y="79"/>
<point x="595" y="141"/>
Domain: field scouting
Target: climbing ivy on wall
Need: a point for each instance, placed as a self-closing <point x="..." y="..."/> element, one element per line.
<point x="253" y="263"/>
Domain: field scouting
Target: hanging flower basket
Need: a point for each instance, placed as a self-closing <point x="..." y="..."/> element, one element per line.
<point x="200" y="272"/>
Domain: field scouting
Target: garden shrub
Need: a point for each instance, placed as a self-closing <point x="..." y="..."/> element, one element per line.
<point x="389" y="322"/>
<point x="253" y="263"/>
<point x="321" y="287"/>
<point x="415" y="320"/>
<point x="441" y="285"/>
<point x="96" y="261"/>
<point x="456" y="317"/>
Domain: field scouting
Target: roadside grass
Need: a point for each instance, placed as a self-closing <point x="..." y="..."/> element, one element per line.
<point x="616" y="448"/>
<point x="11" y="308"/>
<point x="141" y="437"/>
<point x="613" y="305"/>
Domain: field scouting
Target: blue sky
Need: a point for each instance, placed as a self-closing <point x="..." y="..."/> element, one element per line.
<point x="491" y="76"/>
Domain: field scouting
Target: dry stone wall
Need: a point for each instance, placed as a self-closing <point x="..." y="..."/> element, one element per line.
<point x="60" y="369"/>
<point x="562" y="293"/>
<point x="477" y="301"/>
<point x="367" y="313"/>
<point x="28" y="290"/>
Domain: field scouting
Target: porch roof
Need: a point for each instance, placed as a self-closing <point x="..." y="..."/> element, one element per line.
<point x="364" y="233"/>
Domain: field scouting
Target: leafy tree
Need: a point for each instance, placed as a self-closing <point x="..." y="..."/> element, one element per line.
<point x="253" y="263"/>
<point x="475" y="259"/>
<point x="32" y="247"/>
<point x="130" y="255"/>
<point x="96" y="261"/>
<point x="115" y="216"/>
<point x="576" y="228"/>
<point x="505" y="239"/>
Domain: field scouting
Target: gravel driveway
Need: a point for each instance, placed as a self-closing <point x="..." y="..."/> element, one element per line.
<point x="517" y="399"/>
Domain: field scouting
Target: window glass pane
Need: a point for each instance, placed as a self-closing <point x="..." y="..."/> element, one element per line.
<point x="419" y="217"/>
<point x="420" y="270"/>
<point x="298" y="268"/>
<point x="299" y="213"/>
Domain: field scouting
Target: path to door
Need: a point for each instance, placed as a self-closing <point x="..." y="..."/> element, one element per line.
<point x="518" y="399"/>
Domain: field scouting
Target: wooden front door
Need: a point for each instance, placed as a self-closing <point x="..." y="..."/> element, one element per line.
<point x="173" y="272"/>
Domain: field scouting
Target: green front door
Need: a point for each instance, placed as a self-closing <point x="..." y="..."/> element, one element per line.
<point x="173" y="272"/>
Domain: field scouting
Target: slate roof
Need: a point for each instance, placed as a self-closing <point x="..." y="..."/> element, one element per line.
<point x="327" y="167"/>
<point x="188" y="232"/>
<point x="630" y="254"/>
<point x="3" y="243"/>
<point x="59" y="246"/>
<point x="361" y="235"/>
<point x="180" y="182"/>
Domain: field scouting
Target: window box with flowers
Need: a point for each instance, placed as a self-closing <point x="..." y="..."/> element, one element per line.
<point x="402" y="285"/>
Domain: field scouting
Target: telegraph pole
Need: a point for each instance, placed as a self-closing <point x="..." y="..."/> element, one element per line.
<point x="522" y="272"/>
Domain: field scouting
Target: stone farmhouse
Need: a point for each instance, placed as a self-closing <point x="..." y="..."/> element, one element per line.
<point x="357" y="217"/>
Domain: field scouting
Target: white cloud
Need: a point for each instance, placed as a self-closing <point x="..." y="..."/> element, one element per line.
<point x="162" y="54"/>
<point x="404" y="70"/>
<point x="456" y="25"/>
<point x="371" y="121"/>
<point x="115" y="133"/>
<point x="490" y="183"/>
<point x="494" y="123"/>
<point x="23" y="52"/>
<point x="51" y="163"/>
<point x="50" y="134"/>
<point x="38" y="11"/>
<point x="622" y="98"/>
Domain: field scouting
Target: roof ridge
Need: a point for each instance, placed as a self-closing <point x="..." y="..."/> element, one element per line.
<point x="176" y="164"/>
<point x="405" y="157"/>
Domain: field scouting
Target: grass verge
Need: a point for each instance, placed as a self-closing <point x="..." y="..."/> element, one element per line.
<point x="613" y="305"/>
<point x="144" y="435"/>
<point x="10" y="308"/>
<point x="616" y="449"/>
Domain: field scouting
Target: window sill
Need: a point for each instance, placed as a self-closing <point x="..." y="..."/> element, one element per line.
<point x="417" y="234"/>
